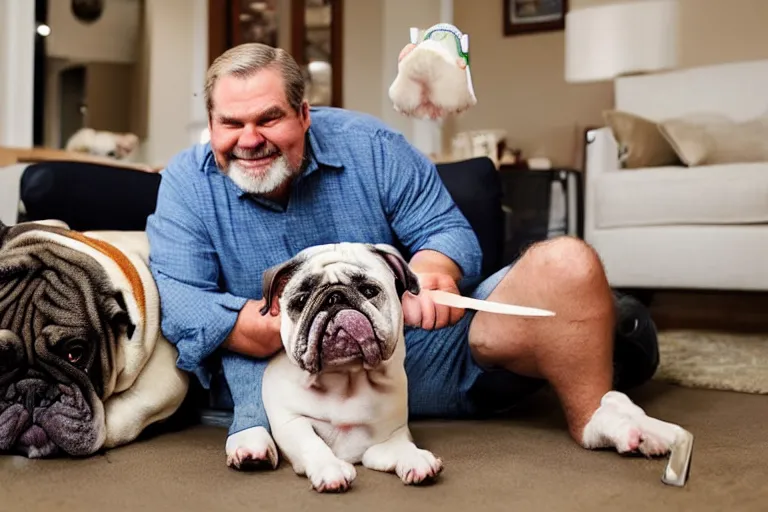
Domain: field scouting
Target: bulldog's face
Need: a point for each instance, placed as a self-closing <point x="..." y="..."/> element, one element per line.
<point x="59" y="325"/>
<point x="340" y="304"/>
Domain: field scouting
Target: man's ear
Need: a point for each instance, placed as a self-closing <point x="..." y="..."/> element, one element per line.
<point x="273" y="283"/>
<point x="305" y="117"/>
<point x="405" y="276"/>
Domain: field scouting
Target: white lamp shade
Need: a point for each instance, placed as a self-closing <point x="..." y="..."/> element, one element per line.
<point x="606" y="41"/>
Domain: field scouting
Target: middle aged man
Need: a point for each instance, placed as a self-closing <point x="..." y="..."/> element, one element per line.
<point x="278" y="177"/>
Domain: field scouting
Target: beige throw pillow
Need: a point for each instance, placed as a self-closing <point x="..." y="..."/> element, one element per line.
<point x="717" y="139"/>
<point x="641" y="144"/>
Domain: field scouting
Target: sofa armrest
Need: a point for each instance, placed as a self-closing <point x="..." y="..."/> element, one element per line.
<point x="602" y="155"/>
<point x="602" y="152"/>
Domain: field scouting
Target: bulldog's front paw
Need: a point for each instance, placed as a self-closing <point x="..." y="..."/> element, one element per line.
<point x="418" y="466"/>
<point x="335" y="475"/>
<point x="252" y="448"/>
<point x="618" y="423"/>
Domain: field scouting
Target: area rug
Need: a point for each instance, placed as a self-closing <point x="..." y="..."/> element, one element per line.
<point x="714" y="360"/>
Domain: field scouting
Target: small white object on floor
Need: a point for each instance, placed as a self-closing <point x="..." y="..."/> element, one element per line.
<point x="679" y="464"/>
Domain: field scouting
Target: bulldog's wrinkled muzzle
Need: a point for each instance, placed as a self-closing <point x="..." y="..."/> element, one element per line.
<point x="40" y="418"/>
<point x="340" y="334"/>
<point x="348" y="336"/>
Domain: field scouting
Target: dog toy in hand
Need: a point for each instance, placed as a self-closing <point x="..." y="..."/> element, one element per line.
<point x="433" y="79"/>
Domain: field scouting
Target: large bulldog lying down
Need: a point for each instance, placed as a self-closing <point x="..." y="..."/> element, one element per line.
<point x="83" y="364"/>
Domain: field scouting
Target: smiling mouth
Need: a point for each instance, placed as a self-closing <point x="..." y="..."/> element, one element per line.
<point x="256" y="162"/>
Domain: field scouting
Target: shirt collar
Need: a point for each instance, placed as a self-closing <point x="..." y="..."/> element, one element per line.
<point x="319" y="153"/>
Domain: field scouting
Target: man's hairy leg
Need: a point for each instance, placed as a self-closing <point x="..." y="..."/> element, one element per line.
<point x="573" y="351"/>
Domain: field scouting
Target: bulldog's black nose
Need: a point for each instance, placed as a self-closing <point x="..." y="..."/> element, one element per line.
<point x="35" y="393"/>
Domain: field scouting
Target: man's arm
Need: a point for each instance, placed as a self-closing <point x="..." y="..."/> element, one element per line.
<point x="197" y="316"/>
<point x="427" y="221"/>
<point x="422" y="213"/>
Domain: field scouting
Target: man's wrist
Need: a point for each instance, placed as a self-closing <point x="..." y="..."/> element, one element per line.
<point x="429" y="261"/>
<point x="251" y="331"/>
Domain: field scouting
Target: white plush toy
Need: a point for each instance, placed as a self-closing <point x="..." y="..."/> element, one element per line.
<point x="433" y="79"/>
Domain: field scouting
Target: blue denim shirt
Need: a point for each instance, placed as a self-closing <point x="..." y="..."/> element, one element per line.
<point x="210" y="241"/>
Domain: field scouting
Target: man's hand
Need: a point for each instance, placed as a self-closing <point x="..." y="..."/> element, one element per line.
<point x="255" y="335"/>
<point x="421" y="311"/>
<point x="435" y="272"/>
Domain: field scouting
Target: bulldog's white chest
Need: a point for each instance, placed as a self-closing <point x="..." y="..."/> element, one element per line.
<point x="349" y="411"/>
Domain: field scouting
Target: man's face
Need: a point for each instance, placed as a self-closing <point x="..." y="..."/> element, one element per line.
<point x="256" y="137"/>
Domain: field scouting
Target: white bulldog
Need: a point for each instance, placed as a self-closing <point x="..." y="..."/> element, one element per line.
<point x="338" y="395"/>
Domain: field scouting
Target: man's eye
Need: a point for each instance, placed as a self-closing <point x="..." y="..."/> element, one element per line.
<point x="269" y="121"/>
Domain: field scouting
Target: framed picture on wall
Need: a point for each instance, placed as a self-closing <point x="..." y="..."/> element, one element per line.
<point x="532" y="16"/>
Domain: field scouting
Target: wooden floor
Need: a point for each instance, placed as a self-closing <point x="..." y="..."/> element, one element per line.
<point x="728" y="311"/>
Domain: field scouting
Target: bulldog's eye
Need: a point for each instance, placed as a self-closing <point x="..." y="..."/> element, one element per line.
<point x="75" y="352"/>
<point x="369" y="291"/>
<point x="299" y="302"/>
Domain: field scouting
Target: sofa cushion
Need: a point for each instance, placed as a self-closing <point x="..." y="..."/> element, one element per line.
<point x="713" y="194"/>
<point x="641" y="144"/>
<point x="717" y="140"/>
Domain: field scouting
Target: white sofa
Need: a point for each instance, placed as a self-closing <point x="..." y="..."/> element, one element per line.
<point x="681" y="227"/>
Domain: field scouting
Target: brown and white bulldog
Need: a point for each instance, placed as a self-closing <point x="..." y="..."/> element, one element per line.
<point x="83" y="364"/>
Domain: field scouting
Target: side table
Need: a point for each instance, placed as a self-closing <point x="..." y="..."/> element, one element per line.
<point x="539" y="204"/>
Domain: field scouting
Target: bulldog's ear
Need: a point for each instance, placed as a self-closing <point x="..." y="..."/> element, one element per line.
<point x="406" y="277"/>
<point x="117" y="312"/>
<point x="3" y="232"/>
<point x="273" y="282"/>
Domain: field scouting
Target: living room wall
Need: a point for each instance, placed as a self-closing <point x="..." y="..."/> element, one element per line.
<point x="520" y="80"/>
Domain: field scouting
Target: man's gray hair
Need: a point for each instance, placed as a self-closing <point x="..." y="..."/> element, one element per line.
<point x="247" y="59"/>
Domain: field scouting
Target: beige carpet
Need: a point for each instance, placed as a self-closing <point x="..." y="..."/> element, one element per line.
<point x="714" y="360"/>
<point x="527" y="463"/>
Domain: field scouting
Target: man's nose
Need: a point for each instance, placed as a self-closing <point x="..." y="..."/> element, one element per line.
<point x="250" y="137"/>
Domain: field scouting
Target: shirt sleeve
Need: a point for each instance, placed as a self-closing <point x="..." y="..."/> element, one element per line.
<point x="196" y="315"/>
<point x="421" y="211"/>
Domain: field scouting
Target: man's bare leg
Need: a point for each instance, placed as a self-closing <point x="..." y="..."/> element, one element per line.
<point x="574" y="350"/>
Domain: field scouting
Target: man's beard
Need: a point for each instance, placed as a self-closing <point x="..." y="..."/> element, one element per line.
<point x="264" y="182"/>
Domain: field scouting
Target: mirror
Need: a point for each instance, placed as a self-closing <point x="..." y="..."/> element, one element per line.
<point x="315" y="50"/>
<point x="257" y="22"/>
<point x="89" y="75"/>
<point x="310" y="29"/>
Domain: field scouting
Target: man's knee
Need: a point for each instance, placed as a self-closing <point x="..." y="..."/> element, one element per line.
<point x="567" y="261"/>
